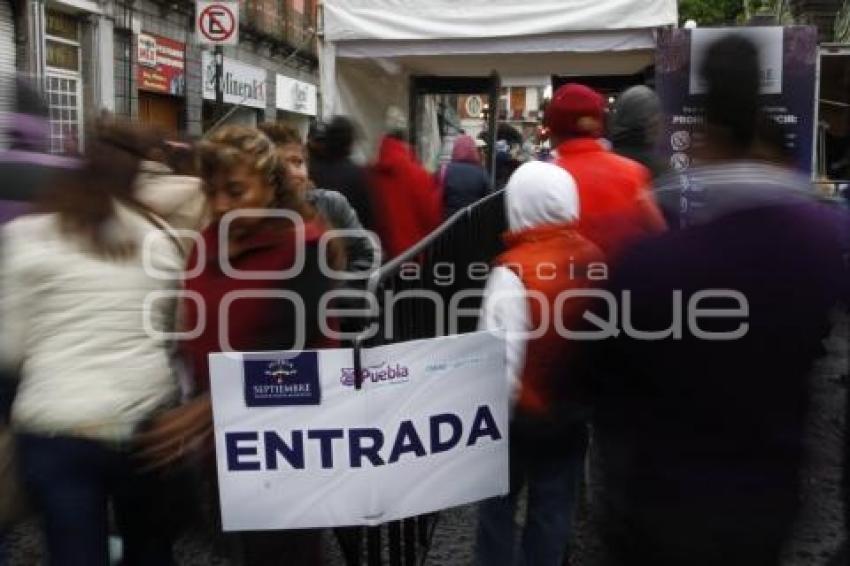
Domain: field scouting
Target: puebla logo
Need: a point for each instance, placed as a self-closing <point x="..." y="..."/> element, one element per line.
<point x="379" y="373"/>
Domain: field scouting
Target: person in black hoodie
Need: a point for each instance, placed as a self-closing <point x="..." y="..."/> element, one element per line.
<point x="331" y="167"/>
<point x="635" y="125"/>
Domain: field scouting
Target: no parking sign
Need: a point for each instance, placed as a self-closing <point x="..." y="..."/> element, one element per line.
<point x="217" y="22"/>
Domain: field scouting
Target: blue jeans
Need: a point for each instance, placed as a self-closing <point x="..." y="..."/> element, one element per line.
<point x="70" y="482"/>
<point x="553" y="481"/>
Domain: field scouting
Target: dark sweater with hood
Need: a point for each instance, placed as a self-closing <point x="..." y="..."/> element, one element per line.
<point x="634" y="126"/>
<point x="701" y="439"/>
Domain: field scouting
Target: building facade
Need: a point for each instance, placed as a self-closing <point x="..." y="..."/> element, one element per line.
<point x="272" y="75"/>
<point x="140" y="59"/>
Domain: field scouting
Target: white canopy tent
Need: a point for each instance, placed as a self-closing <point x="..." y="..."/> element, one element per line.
<point x="370" y="48"/>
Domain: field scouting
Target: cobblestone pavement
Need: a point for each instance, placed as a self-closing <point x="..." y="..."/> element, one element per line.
<point x="819" y="533"/>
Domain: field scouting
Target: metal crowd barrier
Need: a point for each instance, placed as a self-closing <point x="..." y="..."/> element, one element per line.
<point x="470" y="236"/>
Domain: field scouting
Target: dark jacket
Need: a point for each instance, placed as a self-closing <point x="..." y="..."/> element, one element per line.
<point x="344" y="176"/>
<point x="635" y="126"/>
<point x="361" y="254"/>
<point x="463" y="184"/>
<point x="700" y="440"/>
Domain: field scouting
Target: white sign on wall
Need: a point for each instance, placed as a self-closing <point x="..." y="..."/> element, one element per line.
<point x="217" y="22"/>
<point x="768" y="40"/>
<point x="298" y="447"/>
<point x="296" y="96"/>
<point x="242" y="84"/>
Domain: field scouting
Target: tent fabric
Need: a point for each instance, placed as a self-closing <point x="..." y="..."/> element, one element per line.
<point x="371" y="48"/>
<point x="347" y="20"/>
<point x="575" y="42"/>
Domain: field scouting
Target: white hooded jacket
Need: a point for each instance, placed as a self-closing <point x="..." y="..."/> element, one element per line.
<point x="87" y="333"/>
<point x="177" y="199"/>
<point x="537" y="194"/>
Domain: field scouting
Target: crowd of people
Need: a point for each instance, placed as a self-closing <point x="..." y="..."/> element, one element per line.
<point x="695" y="435"/>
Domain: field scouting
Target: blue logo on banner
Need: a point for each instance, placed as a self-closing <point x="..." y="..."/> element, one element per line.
<point x="283" y="381"/>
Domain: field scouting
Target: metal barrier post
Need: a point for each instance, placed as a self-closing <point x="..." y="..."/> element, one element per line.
<point x="406" y="538"/>
<point x="410" y="542"/>
<point x="394" y="535"/>
<point x="373" y="546"/>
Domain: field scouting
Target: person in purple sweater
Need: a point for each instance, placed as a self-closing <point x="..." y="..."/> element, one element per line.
<point x="698" y="433"/>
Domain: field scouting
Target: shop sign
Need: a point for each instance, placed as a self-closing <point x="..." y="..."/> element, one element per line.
<point x="240" y="84"/>
<point x="161" y="64"/>
<point x="296" y="96"/>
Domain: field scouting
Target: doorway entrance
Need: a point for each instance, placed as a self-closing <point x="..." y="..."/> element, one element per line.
<point x="160" y="111"/>
<point x="441" y="108"/>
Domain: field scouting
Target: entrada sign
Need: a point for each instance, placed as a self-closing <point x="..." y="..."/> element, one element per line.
<point x="298" y="447"/>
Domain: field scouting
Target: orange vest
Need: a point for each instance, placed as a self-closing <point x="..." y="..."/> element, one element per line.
<point x="615" y="206"/>
<point x="548" y="259"/>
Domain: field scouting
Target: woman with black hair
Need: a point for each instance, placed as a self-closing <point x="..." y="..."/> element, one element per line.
<point x="331" y="167"/>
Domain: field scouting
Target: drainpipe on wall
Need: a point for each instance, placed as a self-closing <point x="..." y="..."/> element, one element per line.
<point x="35" y="25"/>
<point x="103" y="35"/>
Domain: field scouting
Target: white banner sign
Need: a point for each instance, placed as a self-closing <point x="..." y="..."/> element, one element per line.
<point x="217" y="22"/>
<point x="296" y="96"/>
<point x="299" y="447"/>
<point x="768" y="40"/>
<point x="242" y="84"/>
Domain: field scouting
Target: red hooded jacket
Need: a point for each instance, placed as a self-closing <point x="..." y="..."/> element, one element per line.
<point x="405" y="198"/>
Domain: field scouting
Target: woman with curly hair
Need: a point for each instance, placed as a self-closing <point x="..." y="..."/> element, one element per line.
<point x="241" y="171"/>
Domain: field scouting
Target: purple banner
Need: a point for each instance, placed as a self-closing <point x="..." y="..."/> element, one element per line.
<point x="788" y="68"/>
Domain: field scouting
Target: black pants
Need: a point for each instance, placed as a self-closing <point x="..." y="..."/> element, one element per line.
<point x="70" y="482"/>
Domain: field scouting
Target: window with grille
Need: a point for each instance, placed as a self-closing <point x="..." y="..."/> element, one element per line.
<point x="62" y="82"/>
<point x="63" y="97"/>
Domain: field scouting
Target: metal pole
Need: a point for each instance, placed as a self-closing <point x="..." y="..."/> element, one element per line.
<point x="394" y="537"/>
<point x="409" y="526"/>
<point x="373" y="546"/>
<point x="219" y="77"/>
<point x="493" y="124"/>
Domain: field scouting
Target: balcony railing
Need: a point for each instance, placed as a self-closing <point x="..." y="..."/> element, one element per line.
<point x="280" y="21"/>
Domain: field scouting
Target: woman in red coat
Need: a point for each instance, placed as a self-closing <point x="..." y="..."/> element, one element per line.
<point x="405" y="199"/>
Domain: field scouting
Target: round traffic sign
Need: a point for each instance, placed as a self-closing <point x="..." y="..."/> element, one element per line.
<point x="217" y="22"/>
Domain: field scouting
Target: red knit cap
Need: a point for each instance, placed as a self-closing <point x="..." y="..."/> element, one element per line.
<point x="571" y="103"/>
